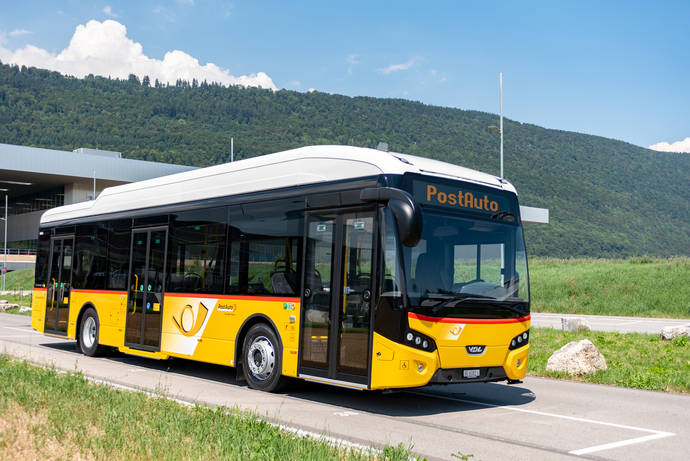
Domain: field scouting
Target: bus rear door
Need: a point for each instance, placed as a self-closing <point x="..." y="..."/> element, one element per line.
<point x="59" y="284"/>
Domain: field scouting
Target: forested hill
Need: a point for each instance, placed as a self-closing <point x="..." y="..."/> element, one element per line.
<point x="606" y="197"/>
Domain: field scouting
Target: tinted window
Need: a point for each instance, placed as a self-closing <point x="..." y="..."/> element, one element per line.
<point x="118" y="253"/>
<point x="265" y="247"/>
<point x="90" y="262"/>
<point x="42" y="257"/>
<point x="197" y="251"/>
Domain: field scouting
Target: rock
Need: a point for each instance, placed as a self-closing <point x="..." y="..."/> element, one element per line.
<point x="24" y="309"/>
<point x="668" y="333"/>
<point x="577" y="358"/>
<point x="3" y="301"/>
<point x="7" y="306"/>
<point x="574" y="324"/>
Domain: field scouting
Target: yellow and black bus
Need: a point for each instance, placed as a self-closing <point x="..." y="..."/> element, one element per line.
<point x="341" y="265"/>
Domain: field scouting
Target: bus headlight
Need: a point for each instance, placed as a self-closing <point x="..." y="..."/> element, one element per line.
<point x="419" y="341"/>
<point x="519" y="341"/>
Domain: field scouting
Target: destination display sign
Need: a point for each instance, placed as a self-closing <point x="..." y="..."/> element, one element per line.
<point x="459" y="198"/>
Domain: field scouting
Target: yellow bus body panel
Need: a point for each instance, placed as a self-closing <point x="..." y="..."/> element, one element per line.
<point x="397" y="365"/>
<point x="110" y="307"/>
<point x="206" y="329"/>
<point x="38" y="309"/>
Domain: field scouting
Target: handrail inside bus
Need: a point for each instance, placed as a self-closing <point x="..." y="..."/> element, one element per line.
<point x="408" y="214"/>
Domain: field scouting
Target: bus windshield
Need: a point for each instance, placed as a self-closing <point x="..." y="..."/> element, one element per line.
<point x="467" y="267"/>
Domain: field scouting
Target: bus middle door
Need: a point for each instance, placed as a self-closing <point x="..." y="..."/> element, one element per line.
<point x="146" y="288"/>
<point x="337" y="298"/>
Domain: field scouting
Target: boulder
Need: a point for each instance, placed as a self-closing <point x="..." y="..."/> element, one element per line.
<point x="574" y="325"/>
<point x="577" y="358"/>
<point x="24" y="309"/>
<point x="668" y="333"/>
<point x="7" y="306"/>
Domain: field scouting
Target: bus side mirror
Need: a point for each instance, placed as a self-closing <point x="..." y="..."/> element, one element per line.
<point x="408" y="214"/>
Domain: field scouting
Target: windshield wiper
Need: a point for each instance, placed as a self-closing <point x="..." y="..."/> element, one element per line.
<point x="504" y="216"/>
<point x="502" y="303"/>
<point x="459" y="300"/>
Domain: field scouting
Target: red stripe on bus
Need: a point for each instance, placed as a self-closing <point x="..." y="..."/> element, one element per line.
<point x="427" y="318"/>
<point x="240" y="298"/>
<point x="112" y="292"/>
<point x="40" y="289"/>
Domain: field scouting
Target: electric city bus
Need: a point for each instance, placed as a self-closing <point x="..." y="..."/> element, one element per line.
<point x="342" y="265"/>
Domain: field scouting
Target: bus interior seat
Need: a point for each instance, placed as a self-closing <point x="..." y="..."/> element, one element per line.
<point x="281" y="283"/>
<point x="428" y="276"/>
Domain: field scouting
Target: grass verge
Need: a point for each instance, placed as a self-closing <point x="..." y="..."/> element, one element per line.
<point x="643" y="287"/>
<point x="634" y="360"/>
<point x="56" y="416"/>
<point x="20" y="279"/>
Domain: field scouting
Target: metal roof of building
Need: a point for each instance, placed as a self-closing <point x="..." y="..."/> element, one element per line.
<point x="51" y="162"/>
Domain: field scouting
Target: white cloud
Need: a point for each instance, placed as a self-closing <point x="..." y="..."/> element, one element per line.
<point x="103" y="48"/>
<point x="109" y="11"/>
<point x="186" y="2"/>
<point x="679" y="146"/>
<point x="398" y="67"/>
<point x="18" y="32"/>
<point x="352" y="60"/>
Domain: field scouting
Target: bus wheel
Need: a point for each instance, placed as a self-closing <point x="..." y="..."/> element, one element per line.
<point x="88" y="334"/>
<point x="262" y="357"/>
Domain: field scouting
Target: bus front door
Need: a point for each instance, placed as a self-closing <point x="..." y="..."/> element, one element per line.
<point x="336" y="308"/>
<point x="59" y="284"/>
<point x="145" y="291"/>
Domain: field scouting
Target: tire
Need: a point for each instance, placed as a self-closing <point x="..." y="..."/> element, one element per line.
<point x="262" y="359"/>
<point x="87" y="337"/>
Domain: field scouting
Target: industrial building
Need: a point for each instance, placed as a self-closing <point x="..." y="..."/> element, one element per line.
<point x="35" y="179"/>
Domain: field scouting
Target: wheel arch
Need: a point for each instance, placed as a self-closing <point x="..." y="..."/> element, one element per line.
<point x="245" y="327"/>
<point x="80" y="316"/>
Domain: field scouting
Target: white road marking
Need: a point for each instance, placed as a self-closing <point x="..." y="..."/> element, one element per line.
<point x="24" y="329"/>
<point x="622" y="443"/>
<point x="655" y="434"/>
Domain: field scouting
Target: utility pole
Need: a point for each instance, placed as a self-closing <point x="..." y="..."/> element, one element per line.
<point x="500" y="99"/>
<point x="4" y="263"/>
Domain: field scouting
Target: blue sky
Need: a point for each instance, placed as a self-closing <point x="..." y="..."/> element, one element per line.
<point x="615" y="69"/>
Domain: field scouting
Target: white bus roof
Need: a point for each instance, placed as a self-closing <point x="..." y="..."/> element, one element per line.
<point x="295" y="167"/>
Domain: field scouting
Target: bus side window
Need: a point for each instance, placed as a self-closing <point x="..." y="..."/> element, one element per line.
<point x="197" y="251"/>
<point x="264" y="252"/>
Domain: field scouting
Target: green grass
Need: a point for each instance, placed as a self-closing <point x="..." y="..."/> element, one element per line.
<point x="17" y="299"/>
<point x="643" y="287"/>
<point x="634" y="360"/>
<point x="62" y="416"/>
<point x="22" y="278"/>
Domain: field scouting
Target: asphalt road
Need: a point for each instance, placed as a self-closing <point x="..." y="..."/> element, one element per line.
<point x="609" y="323"/>
<point x="538" y="419"/>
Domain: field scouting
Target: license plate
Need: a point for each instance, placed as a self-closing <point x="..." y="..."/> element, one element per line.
<point x="470" y="373"/>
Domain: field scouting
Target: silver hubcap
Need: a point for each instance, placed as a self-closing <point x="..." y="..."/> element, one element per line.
<point x="88" y="333"/>
<point x="261" y="358"/>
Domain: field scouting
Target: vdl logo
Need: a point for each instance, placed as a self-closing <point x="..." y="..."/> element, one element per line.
<point x="475" y="350"/>
<point x="186" y="323"/>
